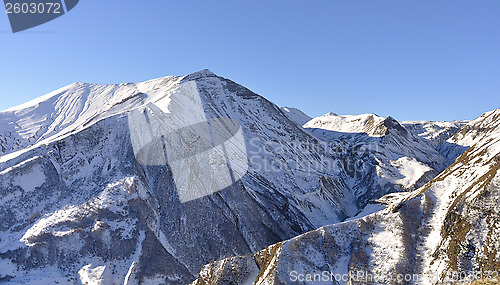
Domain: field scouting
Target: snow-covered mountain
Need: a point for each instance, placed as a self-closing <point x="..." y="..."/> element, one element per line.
<point x="445" y="232"/>
<point x="92" y="195"/>
<point x="434" y="132"/>
<point x="401" y="161"/>
<point x="369" y="124"/>
<point x="144" y="183"/>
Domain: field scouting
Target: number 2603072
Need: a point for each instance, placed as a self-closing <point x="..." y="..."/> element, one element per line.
<point x="33" y="8"/>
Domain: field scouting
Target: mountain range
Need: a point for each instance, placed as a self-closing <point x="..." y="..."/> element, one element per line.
<point x="197" y="179"/>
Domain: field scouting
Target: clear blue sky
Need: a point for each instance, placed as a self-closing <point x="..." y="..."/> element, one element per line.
<point x="413" y="60"/>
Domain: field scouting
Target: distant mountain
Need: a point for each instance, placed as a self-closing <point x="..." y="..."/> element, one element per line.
<point x="144" y="183"/>
<point x="370" y="124"/>
<point x="434" y="132"/>
<point x="401" y="160"/>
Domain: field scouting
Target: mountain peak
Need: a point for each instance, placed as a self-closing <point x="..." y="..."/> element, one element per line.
<point x="199" y="74"/>
<point x="391" y="123"/>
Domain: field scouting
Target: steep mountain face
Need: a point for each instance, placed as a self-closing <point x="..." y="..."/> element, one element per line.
<point x="448" y="226"/>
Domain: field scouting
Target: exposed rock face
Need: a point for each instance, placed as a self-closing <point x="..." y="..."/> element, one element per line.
<point x="449" y="225"/>
<point x="145" y="183"/>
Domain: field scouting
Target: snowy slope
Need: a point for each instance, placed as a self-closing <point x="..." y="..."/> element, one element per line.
<point x="296" y="115"/>
<point x="72" y="108"/>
